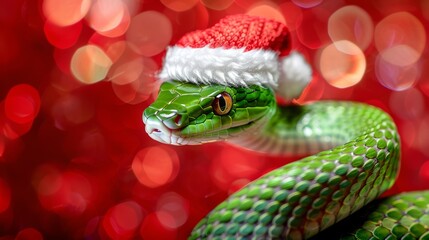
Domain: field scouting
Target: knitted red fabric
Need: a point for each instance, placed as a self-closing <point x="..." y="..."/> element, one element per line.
<point x="241" y="31"/>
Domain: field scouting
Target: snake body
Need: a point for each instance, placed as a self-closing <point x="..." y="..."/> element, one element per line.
<point x="356" y="151"/>
<point x="402" y="216"/>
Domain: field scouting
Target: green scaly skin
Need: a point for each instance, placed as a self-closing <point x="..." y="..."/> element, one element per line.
<point x="302" y="198"/>
<point x="403" y="216"/>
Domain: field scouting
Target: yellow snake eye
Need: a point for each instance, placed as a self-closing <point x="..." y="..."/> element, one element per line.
<point x="222" y="104"/>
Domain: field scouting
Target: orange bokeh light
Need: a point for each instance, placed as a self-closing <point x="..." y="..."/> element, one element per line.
<point x="62" y="36"/>
<point x="107" y="15"/>
<point x="342" y="64"/>
<point x="65" y="12"/>
<point x="351" y="23"/>
<point x="155" y="166"/>
<point x="268" y="10"/>
<point x="90" y="64"/>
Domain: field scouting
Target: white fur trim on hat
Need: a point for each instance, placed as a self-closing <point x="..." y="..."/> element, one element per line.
<point x="230" y="67"/>
<point x="295" y="75"/>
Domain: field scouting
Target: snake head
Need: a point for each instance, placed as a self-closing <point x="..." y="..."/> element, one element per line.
<point x="186" y="113"/>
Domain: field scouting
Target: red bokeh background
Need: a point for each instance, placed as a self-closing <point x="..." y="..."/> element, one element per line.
<point x="76" y="75"/>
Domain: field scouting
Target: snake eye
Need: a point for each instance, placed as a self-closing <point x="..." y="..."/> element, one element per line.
<point x="222" y="104"/>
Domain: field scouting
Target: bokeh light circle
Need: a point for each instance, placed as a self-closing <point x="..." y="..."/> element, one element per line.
<point x="62" y="37"/>
<point x="121" y="28"/>
<point x="400" y="28"/>
<point x="342" y="64"/>
<point x="400" y="55"/>
<point x="22" y="103"/>
<point x="122" y="220"/>
<point x="396" y="77"/>
<point x="351" y="23"/>
<point x="90" y="64"/>
<point x="172" y="210"/>
<point x="268" y="10"/>
<point x="106" y="15"/>
<point x="155" y="166"/>
<point x="149" y="33"/>
<point x="65" y="12"/>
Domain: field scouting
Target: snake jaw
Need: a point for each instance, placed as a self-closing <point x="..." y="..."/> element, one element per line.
<point x="158" y="131"/>
<point x="161" y="132"/>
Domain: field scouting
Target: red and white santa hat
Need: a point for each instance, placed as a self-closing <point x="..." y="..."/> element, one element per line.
<point x="240" y="50"/>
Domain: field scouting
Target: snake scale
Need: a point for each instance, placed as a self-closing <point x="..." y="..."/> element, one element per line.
<point x="354" y="157"/>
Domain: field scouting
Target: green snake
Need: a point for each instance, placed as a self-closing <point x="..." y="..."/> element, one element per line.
<point x="220" y="84"/>
<point x="356" y="147"/>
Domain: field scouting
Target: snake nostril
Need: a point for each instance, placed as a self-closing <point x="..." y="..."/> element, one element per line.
<point x="156" y="130"/>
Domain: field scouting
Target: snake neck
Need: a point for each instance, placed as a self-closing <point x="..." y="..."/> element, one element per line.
<point x="298" y="130"/>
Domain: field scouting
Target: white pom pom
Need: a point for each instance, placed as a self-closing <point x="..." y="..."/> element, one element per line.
<point x="295" y="75"/>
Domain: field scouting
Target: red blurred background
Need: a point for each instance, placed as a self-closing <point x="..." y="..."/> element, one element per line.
<point x="75" y="76"/>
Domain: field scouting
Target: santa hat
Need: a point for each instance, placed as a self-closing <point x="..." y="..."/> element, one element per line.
<point x="240" y="50"/>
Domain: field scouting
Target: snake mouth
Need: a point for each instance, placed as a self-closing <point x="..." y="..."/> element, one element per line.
<point x="158" y="131"/>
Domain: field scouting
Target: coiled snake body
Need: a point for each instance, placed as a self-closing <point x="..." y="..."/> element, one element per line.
<point x="357" y="158"/>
